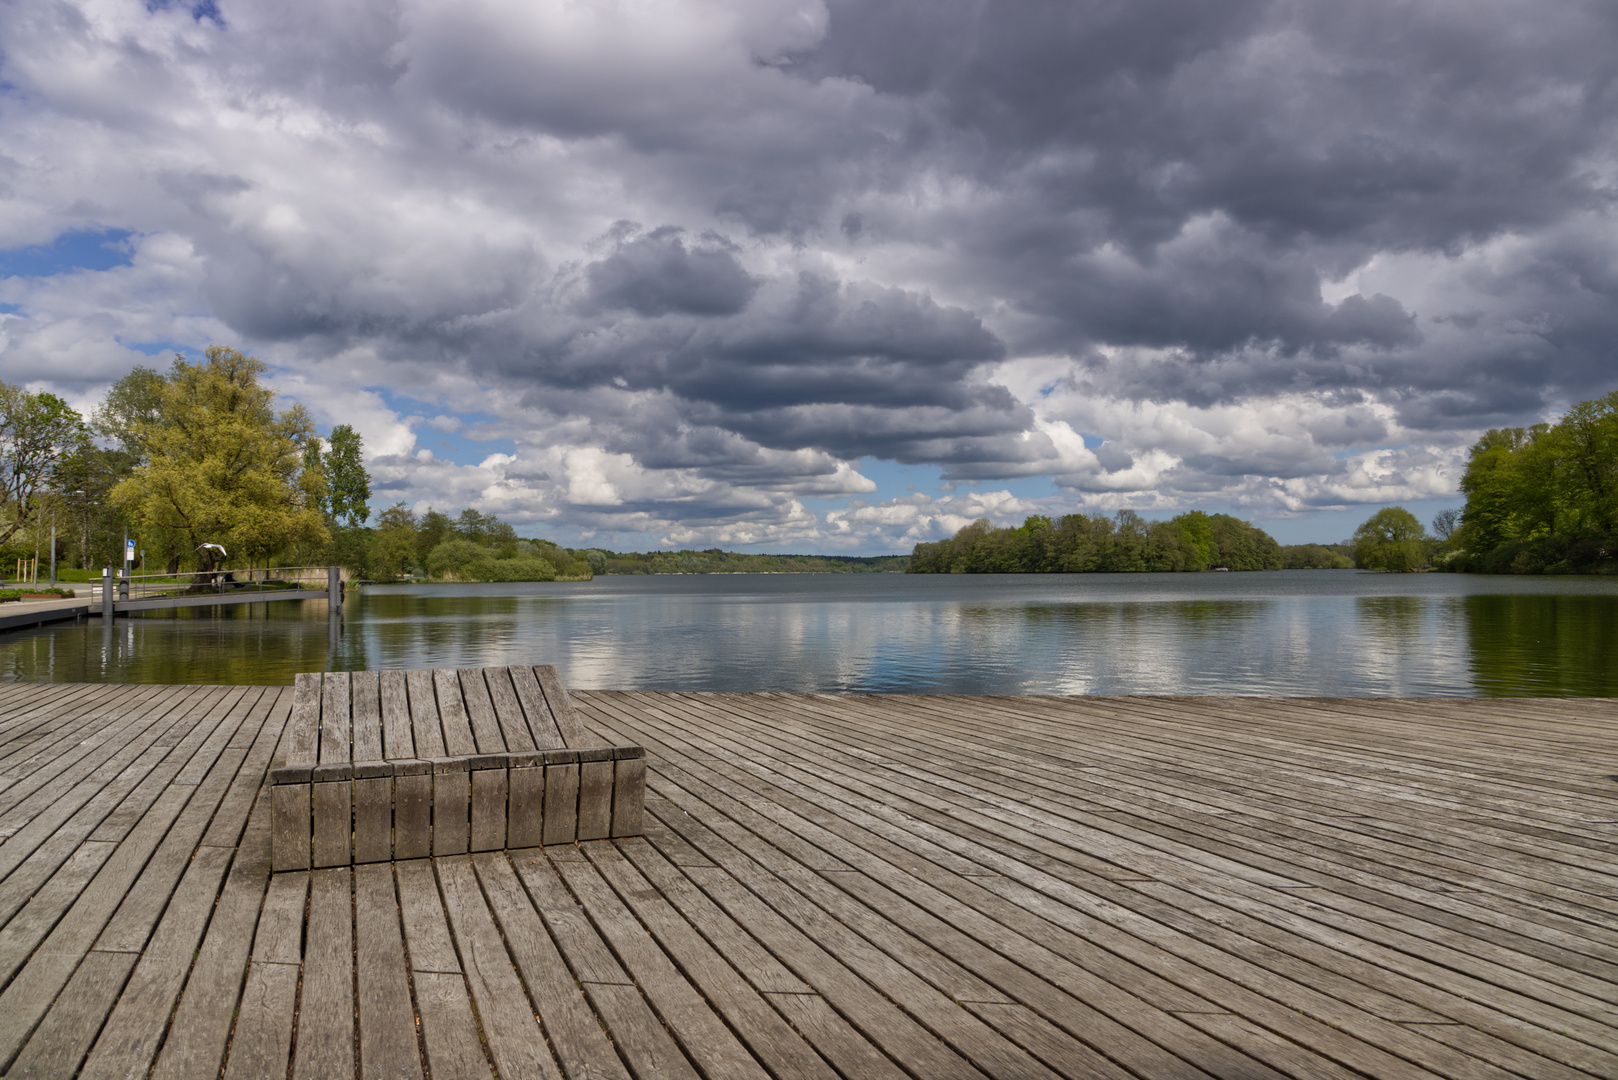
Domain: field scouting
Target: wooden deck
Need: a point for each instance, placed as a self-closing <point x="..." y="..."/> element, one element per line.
<point x="840" y="886"/>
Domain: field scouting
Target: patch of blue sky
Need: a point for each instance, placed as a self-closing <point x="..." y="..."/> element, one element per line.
<point x="205" y="9"/>
<point x="892" y="481"/>
<point x="1023" y="487"/>
<point x="84" y="249"/>
<point x="459" y="446"/>
<point x="163" y="350"/>
<point x="1332" y="526"/>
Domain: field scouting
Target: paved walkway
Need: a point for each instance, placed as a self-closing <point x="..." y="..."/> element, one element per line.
<point x="840" y="886"/>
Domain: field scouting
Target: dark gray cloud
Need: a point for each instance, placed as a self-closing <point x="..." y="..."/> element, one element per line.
<point x="1250" y="245"/>
<point x="657" y="274"/>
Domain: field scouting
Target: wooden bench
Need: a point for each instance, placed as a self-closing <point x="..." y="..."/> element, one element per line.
<point x="406" y="764"/>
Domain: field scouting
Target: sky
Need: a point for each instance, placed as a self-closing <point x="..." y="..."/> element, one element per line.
<point x="775" y="275"/>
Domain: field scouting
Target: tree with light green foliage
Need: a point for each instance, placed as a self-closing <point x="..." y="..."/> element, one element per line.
<point x="222" y="466"/>
<point x="1391" y="540"/>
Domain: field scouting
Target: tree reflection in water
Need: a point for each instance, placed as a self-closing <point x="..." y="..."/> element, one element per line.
<point x="1327" y="633"/>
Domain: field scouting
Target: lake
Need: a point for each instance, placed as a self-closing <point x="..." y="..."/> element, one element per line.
<point x="1304" y="632"/>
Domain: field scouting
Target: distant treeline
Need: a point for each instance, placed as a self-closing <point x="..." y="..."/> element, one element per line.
<point x="715" y="561"/>
<point x="468" y="547"/>
<point x="472" y="546"/>
<point x="1094" y="543"/>
<point x="1542" y="499"/>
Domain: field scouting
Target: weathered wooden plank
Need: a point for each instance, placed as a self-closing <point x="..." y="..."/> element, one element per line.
<point x="412" y="815"/>
<point x="40" y="849"/>
<point x="849" y="1052"/>
<point x="153" y="892"/>
<point x="763" y="970"/>
<point x="480" y="712"/>
<point x="628" y="796"/>
<point x="324" y="1042"/>
<point x="1255" y="889"/>
<point x="128" y="1043"/>
<point x="516" y="1044"/>
<point x="1371" y="1000"/>
<point x="52" y="802"/>
<point x="332" y="802"/>
<point x="59" y="1043"/>
<point x="261" y="1045"/>
<point x="694" y="1012"/>
<point x="458" y="738"/>
<point x="226" y="828"/>
<point x="525" y="811"/>
<point x="595" y="800"/>
<point x="303" y="730"/>
<point x="452" y="805"/>
<point x="448" y="1031"/>
<point x="336" y="719"/>
<point x="366" y="692"/>
<point x="425" y="727"/>
<point x="587" y="955"/>
<point x="561" y="706"/>
<point x="426" y="933"/>
<point x="398" y="741"/>
<point x="576" y="1036"/>
<point x="541" y="722"/>
<point x="488" y="809"/>
<point x="561" y="825"/>
<point x="1261" y="1048"/>
<point x="201" y="1026"/>
<point x="508" y="709"/>
<point x="56" y="767"/>
<point x="1207" y="1046"/>
<point x="640" y="1037"/>
<point x="48" y="969"/>
<point x="388" y="1049"/>
<point x="373" y="819"/>
<point x="293" y="826"/>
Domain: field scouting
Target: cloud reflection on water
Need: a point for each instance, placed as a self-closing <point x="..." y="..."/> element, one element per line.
<point x="1291" y="633"/>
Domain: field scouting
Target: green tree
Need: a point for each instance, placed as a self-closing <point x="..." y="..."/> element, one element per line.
<point x="1392" y="540"/>
<point x="394" y="545"/>
<point x="1314" y="557"/>
<point x="348" y="485"/>
<point x="222" y="466"/>
<point x="133" y="405"/>
<point x="39" y="433"/>
<point x="1491" y="484"/>
<point x="433" y="529"/>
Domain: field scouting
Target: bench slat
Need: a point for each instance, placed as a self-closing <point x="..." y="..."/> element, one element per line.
<point x="424" y="714"/>
<point x="367" y="716"/>
<point x="507" y="709"/>
<point x="334" y="719"/>
<point x="480" y="710"/>
<point x="396" y="734"/>
<point x="567" y="721"/>
<point x="547" y="736"/>
<point x="303" y="727"/>
<point x="458" y="740"/>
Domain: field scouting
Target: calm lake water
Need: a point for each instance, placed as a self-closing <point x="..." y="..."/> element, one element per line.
<point x="1338" y="633"/>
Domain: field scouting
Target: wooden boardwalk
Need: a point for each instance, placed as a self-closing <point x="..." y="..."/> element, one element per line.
<point x="840" y="886"/>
